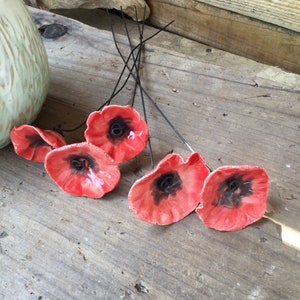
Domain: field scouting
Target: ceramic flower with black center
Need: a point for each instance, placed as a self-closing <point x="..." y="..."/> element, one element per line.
<point x="118" y="130"/>
<point x="82" y="170"/>
<point x="233" y="197"/>
<point x="170" y="191"/>
<point x="34" y="143"/>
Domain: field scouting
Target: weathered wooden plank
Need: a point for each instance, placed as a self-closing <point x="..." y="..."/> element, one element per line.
<point x="282" y="13"/>
<point x="56" y="246"/>
<point x="230" y="31"/>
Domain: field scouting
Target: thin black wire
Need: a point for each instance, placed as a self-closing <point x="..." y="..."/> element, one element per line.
<point x="127" y="61"/>
<point x="141" y="32"/>
<point x="114" y="93"/>
<point x="184" y="141"/>
<point x="137" y="68"/>
<point x="133" y="56"/>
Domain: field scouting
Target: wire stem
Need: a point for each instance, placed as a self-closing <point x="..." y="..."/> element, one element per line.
<point x="136" y="78"/>
<point x="184" y="141"/>
<point x="137" y="63"/>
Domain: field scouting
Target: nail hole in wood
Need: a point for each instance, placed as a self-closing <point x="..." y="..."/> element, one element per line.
<point x="52" y="31"/>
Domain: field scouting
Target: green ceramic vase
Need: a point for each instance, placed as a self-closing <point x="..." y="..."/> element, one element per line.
<point x="24" y="70"/>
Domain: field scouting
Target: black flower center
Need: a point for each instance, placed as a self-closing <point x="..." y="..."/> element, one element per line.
<point x="118" y="129"/>
<point x="36" y="141"/>
<point x="81" y="163"/>
<point x="232" y="190"/>
<point x="165" y="185"/>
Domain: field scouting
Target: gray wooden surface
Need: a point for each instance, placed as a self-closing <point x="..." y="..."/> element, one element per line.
<point x="56" y="246"/>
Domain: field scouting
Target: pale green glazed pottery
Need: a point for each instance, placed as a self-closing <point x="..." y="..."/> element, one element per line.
<point x="24" y="71"/>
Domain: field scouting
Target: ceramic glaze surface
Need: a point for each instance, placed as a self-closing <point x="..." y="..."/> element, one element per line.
<point x="24" y="71"/>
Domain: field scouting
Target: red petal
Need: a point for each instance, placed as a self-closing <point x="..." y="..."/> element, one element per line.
<point x="251" y="207"/>
<point x="131" y="144"/>
<point x="100" y="175"/>
<point x="34" y="143"/>
<point x="172" y="207"/>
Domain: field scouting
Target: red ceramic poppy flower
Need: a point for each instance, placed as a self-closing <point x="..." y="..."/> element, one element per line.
<point x="34" y="143"/>
<point x="233" y="197"/>
<point x="170" y="191"/>
<point x="118" y="130"/>
<point x="82" y="170"/>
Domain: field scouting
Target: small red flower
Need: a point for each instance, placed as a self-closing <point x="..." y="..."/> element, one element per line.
<point x="82" y="170"/>
<point x="233" y="197"/>
<point x="170" y="191"/>
<point x="34" y="143"/>
<point x="118" y="130"/>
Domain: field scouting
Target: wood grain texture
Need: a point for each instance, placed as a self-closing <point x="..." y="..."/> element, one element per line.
<point x="230" y="31"/>
<point x="282" y="13"/>
<point x="56" y="246"/>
